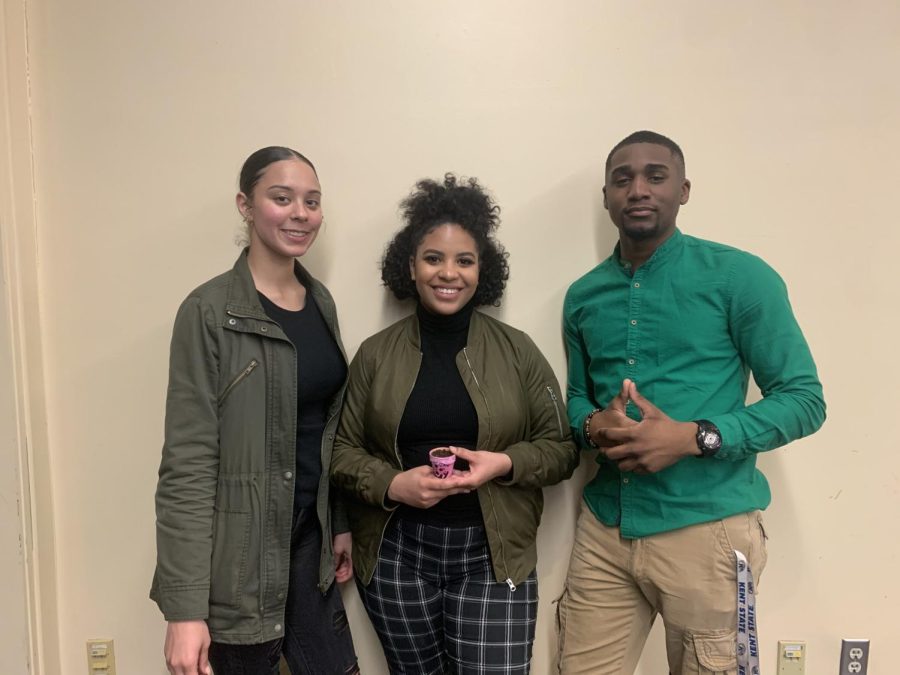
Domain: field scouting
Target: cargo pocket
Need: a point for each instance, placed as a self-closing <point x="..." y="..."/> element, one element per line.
<point x="231" y="539"/>
<point x="712" y="653"/>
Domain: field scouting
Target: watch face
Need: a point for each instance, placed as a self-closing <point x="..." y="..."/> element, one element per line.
<point x="710" y="439"/>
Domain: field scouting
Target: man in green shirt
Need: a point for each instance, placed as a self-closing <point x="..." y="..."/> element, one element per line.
<point x="662" y="337"/>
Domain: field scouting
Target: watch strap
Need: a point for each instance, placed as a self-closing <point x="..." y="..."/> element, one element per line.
<point x="709" y="438"/>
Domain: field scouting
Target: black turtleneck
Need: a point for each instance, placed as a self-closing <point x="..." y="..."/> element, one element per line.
<point x="440" y="412"/>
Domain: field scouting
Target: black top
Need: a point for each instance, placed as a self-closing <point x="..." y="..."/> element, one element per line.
<point x="321" y="371"/>
<point x="440" y="412"/>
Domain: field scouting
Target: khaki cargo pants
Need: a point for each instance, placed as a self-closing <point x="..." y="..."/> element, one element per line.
<point x="615" y="588"/>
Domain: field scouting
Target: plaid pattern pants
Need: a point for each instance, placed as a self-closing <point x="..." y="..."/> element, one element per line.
<point x="437" y="608"/>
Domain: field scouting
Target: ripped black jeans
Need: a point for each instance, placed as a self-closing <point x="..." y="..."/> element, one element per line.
<point x="317" y="637"/>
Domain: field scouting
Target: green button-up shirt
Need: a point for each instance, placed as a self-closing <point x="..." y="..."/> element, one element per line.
<point x="689" y="326"/>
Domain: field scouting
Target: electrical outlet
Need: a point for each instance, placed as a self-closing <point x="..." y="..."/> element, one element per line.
<point x="101" y="656"/>
<point x="854" y="657"/>
<point x="791" y="657"/>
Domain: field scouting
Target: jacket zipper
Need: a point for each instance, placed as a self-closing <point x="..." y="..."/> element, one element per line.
<point x="250" y="366"/>
<point x="480" y="391"/>
<point x="322" y="586"/>
<point x="502" y="552"/>
<point x="249" y="369"/>
<point x="241" y="376"/>
<point x="556" y="408"/>
<point x="230" y="312"/>
<point x="397" y="454"/>
<point x="397" y="430"/>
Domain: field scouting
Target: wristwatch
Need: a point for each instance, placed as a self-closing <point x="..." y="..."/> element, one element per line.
<point x="709" y="440"/>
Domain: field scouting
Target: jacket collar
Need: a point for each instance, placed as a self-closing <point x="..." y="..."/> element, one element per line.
<point x="476" y="330"/>
<point x="242" y="295"/>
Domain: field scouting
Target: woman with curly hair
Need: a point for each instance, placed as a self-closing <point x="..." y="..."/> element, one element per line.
<point x="446" y="565"/>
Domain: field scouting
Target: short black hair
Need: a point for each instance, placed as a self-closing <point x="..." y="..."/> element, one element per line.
<point x="257" y="163"/>
<point x="646" y="137"/>
<point x="463" y="202"/>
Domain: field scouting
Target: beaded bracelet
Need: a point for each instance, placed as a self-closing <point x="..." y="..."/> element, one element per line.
<point x="587" y="427"/>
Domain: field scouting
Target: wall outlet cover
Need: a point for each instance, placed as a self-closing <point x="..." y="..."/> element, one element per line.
<point x="854" y="657"/>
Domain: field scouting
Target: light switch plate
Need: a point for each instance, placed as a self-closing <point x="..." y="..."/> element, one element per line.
<point x="101" y="656"/>
<point x="791" y="657"/>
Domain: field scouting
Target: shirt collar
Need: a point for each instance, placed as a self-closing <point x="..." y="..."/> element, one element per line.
<point x="662" y="253"/>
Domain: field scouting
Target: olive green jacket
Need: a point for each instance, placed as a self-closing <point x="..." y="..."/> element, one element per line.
<point x="224" y="501"/>
<point x="520" y="412"/>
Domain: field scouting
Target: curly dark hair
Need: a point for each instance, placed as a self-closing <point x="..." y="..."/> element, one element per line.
<point x="463" y="202"/>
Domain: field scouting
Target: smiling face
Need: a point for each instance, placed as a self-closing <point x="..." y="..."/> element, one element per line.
<point x="284" y="211"/>
<point x="645" y="186"/>
<point x="445" y="268"/>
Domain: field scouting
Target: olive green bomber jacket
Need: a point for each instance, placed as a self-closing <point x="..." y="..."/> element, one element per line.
<point x="224" y="500"/>
<point x="520" y="412"/>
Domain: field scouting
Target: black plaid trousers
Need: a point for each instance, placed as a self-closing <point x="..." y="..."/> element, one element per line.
<point x="437" y="607"/>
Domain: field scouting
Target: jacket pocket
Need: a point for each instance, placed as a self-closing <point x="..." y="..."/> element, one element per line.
<point x="228" y="573"/>
<point x="240" y="377"/>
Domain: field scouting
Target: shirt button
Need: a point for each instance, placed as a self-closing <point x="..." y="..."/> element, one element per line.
<point x="634" y="322"/>
<point x="630" y="362"/>
<point x="625" y="481"/>
<point x="281" y="595"/>
<point x="231" y="322"/>
<point x="277" y="627"/>
<point x="288" y="475"/>
<point x="264" y="329"/>
<point x="637" y="284"/>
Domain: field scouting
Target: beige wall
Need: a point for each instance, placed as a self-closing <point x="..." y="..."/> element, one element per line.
<point x="14" y="627"/>
<point x="142" y="113"/>
<point x="28" y="625"/>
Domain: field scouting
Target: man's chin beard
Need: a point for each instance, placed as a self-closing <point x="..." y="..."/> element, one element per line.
<point x="641" y="233"/>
